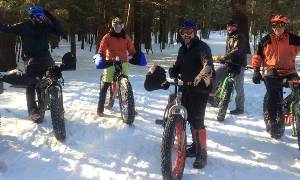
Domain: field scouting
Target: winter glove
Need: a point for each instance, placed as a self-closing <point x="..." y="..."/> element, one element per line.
<point x="205" y="75"/>
<point x="219" y="59"/>
<point x="134" y="59"/>
<point x="256" y="76"/>
<point x="173" y="73"/>
<point x="165" y="85"/>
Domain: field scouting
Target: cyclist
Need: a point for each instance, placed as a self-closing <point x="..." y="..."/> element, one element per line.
<point x="35" y="49"/>
<point x="114" y="46"/>
<point x="236" y="52"/>
<point x="276" y="53"/>
<point x="194" y="63"/>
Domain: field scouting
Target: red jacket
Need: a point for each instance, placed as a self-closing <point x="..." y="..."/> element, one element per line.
<point x="277" y="52"/>
<point x="111" y="47"/>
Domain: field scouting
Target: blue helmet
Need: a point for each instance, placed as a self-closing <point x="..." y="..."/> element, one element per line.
<point x="188" y="24"/>
<point x="37" y="12"/>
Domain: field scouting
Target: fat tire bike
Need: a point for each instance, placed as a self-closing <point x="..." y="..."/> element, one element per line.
<point x="120" y="88"/>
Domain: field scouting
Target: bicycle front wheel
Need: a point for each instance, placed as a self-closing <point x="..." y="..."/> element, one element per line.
<point x="126" y="101"/>
<point x="57" y="113"/>
<point x="173" y="148"/>
<point x="223" y="105"/>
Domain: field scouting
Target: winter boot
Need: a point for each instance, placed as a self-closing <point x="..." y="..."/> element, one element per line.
<point x="275" y="131"/>
<point x="35" y="116"/>
<point x="102" y="96"/>
<point x="191" y="151"/>
<point x="237" y="111"/>
<point x="201" y="153"/>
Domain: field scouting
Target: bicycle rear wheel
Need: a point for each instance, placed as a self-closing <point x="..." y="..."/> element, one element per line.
<point x="297" y="120"/>
<point x="126" y="101"/>
<point x="279" y="118"/>
<point x="215" y="100"/>
<point x="224" y="101"/>
<point x="57" y="113"/>
<point x="110" y="95"/>
<point x="173" y="148"/>
<point x="41" y="104"/>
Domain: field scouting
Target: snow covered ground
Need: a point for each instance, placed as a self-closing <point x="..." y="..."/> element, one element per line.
<point x="105" y="148"/>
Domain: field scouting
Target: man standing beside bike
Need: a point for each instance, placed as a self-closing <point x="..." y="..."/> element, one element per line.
<point x="236" y="56"/>
<point x="114" y="46"/>
<point x="194" y="64"/>
<point x="35" y="49"/>
<point x="276" y="54"/>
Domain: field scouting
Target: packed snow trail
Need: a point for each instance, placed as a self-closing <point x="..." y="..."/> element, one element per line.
<point x="105" y="148"/>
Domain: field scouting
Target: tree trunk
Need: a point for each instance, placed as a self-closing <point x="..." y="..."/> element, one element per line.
<point x="274" y="7"/>
<point x="7" y="48"/>
<point x="239" y="13"/>
<point x="137" y="24"/>
<point x="72" y="31"/>
<point x="7" y="52"/>
<point x="162" y="28"/>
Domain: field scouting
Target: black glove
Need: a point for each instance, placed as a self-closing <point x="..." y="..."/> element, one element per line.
<point x="165" y="85"/>
<point x="49" y="15"/>
<point x="256" y="76"/>
<point x="173" y="73"/>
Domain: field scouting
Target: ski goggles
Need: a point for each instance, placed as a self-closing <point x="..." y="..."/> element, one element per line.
<point x="188" y="32"/>
<point x="39" y="18"/>
<point x="278" y="24"/>
<point x="118" y="26"/>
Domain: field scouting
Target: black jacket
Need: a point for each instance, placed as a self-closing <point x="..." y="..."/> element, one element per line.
<point x="35" y="42"/>
<point x="191" y="60"/>
<point x="236" y="48"/>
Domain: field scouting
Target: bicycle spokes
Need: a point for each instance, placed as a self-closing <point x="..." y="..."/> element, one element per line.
<point x="178" y="150"/>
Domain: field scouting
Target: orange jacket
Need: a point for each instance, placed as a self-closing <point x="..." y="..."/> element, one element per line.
<point x="111" y="47"/>
<point x="277" y="52"/>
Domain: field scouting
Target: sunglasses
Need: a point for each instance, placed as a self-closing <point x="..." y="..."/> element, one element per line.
<point x="186" y="31"/>
<point x="118" y="26"/>
<point x="278" y="24"/>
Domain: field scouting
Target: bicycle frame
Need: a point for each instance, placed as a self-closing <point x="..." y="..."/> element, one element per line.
<point x="292" y="101"/>
<point x="45" y="85"/>
<point x="229" y="77"/>
<point x="177" y="108"/>
<point x="117" y="76"/>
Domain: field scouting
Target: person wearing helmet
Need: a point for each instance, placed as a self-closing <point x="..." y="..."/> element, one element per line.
<point x="276" y="54"/>
<point x="236" y="58"/>
<point x="114" y="46"/>
<point x="35" y="49"/>
<point x="195" y="67"/>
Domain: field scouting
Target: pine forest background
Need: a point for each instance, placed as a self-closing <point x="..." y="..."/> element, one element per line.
<point x="87" y="21"/>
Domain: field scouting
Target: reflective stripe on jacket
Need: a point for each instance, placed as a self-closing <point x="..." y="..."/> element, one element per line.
<point x="277" y="52"/>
